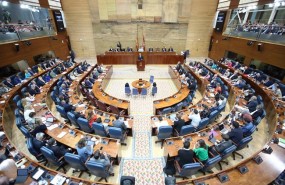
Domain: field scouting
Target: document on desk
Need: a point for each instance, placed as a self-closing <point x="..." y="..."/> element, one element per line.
<point x="58" y="180"/>
<point x="61" y="135"/>
<point x="99" y="80"/>
<point x="53" y="126"/>
<point x="126" y="123"/>
<point x="38" y="174"/>
<point x="161" y="123"/>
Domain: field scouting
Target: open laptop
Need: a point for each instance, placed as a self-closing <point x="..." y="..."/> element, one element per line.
<point x="212" y="139"/>
<point x="22" y="175"/>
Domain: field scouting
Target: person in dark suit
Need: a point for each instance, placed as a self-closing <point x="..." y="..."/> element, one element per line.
<point x="150" y="49"/>
<point x="119" y="45"/>
<point x="179" y="123"/>
<point x="236" y="134"/>
<point x="72" y="55"/>
<point x="222" y="146"/>
<point x="119" y="124"/>
<point x="38" y="142"/>
<point x="30" y="71"/>
<point x="130" y="49"/>
<point x="79" y="70"/>
<point x="140" y="57"/>
<point x="257" y="113"/>
<point x="58" y="150"/>
<point x="163" y="49"/>
<point x="67" y="107"/>
<point x="252" y="104"/>
<point x="16" y="80"/>
<point x="185" y="155"/>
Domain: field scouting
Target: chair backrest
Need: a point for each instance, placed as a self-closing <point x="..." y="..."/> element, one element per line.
<point x="25" y="132"/>
<point x="99" y="129"/>
<point x="166" y="110"/>
<point x="203" y="123"/>
<point x="178" y="107"/>
<point x="17" y="113"/>
<point x="54" y="97"/>
<point x="211" y="163"/>
<point x="49" y="155"/>
<point x="24" y="90"/>
<point x="251" y="131"/>
<point x="127" y="179"/>
<point x="97" y="169"/>
<point x="16" y="98"/>
<point x="164" y="132"/>
<point x="187" y="129"/>
<point x="19" y="105"/>
<point x="154" y="90"/>
<point x="84" y="125"/>
<point x="74" y="161"/>
<point x="72" y="119"/>
<point x="135" y="91"/>
<point x="213" y="115"/>
<point x="151" y="79"/>
<point x="127" y="90"/>
<point x="228" y="151"/>
<point x="243" y="143"/>
<point x="31" y="148"/>
<point x="61" y="111"/>
<point x="144" y="92"/>
<point x="116" y="133"/>
<point x="190" y="169"/>
<point x="263" y="114"/>
<point x="19" y="121"/>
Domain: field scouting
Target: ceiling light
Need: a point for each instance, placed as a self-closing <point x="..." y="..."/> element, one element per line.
<point x="4" y="3"/>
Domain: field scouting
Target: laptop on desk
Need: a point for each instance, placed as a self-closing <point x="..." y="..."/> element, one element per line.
<point x="22" y="175"/>
<point x="212" y="139"/>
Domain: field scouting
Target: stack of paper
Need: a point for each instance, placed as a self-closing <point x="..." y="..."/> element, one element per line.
<point x="58" y="180"/>
<point x="61" y="134"/>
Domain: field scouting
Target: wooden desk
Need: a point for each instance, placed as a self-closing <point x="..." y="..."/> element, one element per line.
<point x="131" y="58"/>
<point x="98" y="91"/>
<point x="146" y="84"/>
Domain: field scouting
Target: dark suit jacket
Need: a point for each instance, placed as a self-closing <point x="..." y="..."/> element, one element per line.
<point x="67" y="107"/>
<point x="257" y="114"/>
<point x="58" y="151"/>
<point x="34" y="91"/>
<point x="16" y="80"/>
<point x="236" y="135"/>
<point x="178" y="125"/>
<point x="252" y="106"/>
<point x="223" y="145"/>
<point x="88" y="84"/>
<point x="185" y="156"/>
<point x="37" y="145"/>
<point x="140" y="57"/>
<point x="40" y="83"/>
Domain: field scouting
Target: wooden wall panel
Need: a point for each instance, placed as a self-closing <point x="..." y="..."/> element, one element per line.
<point x="123" y="10"/>
<point x="79" y="26"/>
<point x="271" y="54"/>
<point x="200" y="26"/>
<point x="39" y="46"/>
<point x="170" y="11"/>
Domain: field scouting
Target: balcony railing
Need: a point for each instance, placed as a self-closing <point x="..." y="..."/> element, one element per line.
<point x="266" y="33"/>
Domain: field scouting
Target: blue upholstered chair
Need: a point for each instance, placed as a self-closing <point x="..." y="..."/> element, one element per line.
<point x="99" y="129"/>
<point x="72" y="119"/>
<point x="163" y="133"/>
<point x="117" y="133"/>
<point x="128" y="91"/>
<point x="97" y="169"/>
<point x="24" y="90"/>
<point x="241" y="145"/>
<point x="187" y="169"/>
<point x="19" y="105"/>
<point x="178" y="107"/>
<point x="211" y="163"/>
<point x="225" y="154"/>
<point x="33" y="151"/>
<point x="144" y="92"/>
<point x="203" y="123"/>
<point x="250" y="132"/>
<point x="213" y="115"/>
<point x="25" y="132"/>
<point x="16" y="98"/>
<point x="166" y="111"/>
<point x="153" y="91"/>
<point x="18" y="113"/>
<point x="135" y="92"/>
<point x="61" y="111"/>
<point x="75" y="162"/>
<point x="187" y="129"/>
<point x="20" y="121"/>
<point x="84" y="125"/>
<point x="52" y="159"/>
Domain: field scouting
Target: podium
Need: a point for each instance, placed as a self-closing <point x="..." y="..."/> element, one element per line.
<point x="140" y="65"/>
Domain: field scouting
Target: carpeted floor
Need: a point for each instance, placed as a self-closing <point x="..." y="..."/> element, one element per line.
<point x="147" y="170"/>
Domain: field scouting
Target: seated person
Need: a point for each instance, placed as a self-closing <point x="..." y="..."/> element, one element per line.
<point x="236" y="133"/>
<point x="150" y="49"/>
<point x="179" y="123"/>
<point x="218" y="89"/>
<point x="195" y="118"/>
<point x="58" y="150"/>
<point x="234" y="75"/>
<point x="67" y="107"/>
<point x="30" y="71"/>
<point x="170" y="49"/>
<point x="104" y="159"/>
<point x="8" y="168"/>
<point x="3" y="89"/>
<point x="267" y="82"/>
<point x="247" y="127"/>
<point x="201" y="151"/>
<point x="222" y="101"/>
<point x="38" y="141"/>
<point x="82" y="150"/>
<point x="185" y="154"/>
<point x="119" y="124"/>
<point x="257" y="113"/>
<point x="16" y="80"/>
<point x="87" y="83"/>
<point x="250" y="106"/>
<point x="9" y="83"/>
<point x="34" y="90"/>
<point x="163" y="49"/>
<point x="46" y="77"/>
<point x="27" y="74"/>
